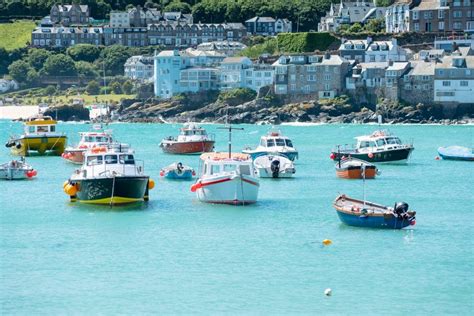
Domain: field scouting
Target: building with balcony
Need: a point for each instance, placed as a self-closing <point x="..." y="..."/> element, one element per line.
<point x="140" y="68"/>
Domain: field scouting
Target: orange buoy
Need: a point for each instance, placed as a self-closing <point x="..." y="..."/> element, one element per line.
<point x="70" y="189"/>
<point x="151" y="184"/>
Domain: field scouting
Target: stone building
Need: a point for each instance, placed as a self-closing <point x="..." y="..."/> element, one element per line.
<point x="442" y="16"/>
<point x="315" y="76"/>
<point x="418" y="83"/>
<point x="267" y="26"/>
<point x="66" y="15"/>
<point x="62" y="36"/>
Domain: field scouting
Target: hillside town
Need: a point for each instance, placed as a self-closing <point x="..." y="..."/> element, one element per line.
<point x="194" y="57"/>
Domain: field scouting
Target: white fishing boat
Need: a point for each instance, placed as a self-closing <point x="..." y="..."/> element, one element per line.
<point x="17" y="170"/>
<point x="178" y="171"/>
<point x="274" y="166"/>
<point x="227" y="179"/>
<point x="273" y="143"/>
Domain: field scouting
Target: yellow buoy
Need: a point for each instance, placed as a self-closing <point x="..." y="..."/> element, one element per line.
<point x="327" y="242"/>
<point x="65" y="183"/>
<point x="70" y="189"/>
<point x="151" y="184"/>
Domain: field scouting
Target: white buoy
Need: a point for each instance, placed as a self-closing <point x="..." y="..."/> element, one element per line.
<point x="327" y="292"/>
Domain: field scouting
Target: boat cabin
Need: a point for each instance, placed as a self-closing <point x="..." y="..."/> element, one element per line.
<point x="118" y="160"/>
<point x="275" y="141"/>
<point x="378" y="141"/>
<point x="40" y="125"/>
<point x="96" y="138"/>
<point x="192" y="132"/>
<point x="220" y="164"/>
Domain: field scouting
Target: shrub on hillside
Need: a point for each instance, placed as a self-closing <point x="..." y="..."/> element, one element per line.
<point x="237" y="96"/>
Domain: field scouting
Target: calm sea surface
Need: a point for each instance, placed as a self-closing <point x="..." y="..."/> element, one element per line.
<point x="177" y="255"/>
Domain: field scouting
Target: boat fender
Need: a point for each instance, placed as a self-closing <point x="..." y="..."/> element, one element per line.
<point x="193" y="173"/>
<point x="370" y="155"/>
<point x="65" y="183"/>
<point x="70" y="189"/>
<point x="332" y="156"/>
<point x="151" y="184"/>
<point x="162" y="173"/>
<point x="18" y="146"/>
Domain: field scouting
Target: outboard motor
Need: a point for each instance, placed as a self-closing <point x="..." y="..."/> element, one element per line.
<point x="180" y="167"/>
<point x="9" y="144"/>
<point x="400" y="208"/>
<point x="275" y="168"/>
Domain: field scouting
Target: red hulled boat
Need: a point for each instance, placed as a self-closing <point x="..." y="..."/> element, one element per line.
<point x="192" y="139"/>
<point x="88" y="141"/>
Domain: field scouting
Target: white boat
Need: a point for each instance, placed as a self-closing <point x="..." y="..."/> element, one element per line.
<point x="17" y="170"/>
<point x="273" y="143"/>
<point x="96" y="138"/>
<point x="274" y="166"/>
<point x="227" y="178"/>
<point x="178" y="171"/>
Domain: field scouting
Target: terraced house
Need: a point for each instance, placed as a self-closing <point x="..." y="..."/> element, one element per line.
<point x="69" y="14"/>
<point x="317" y="76"/>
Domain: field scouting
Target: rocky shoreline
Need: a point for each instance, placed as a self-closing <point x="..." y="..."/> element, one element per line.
<point x="267" y="111"/>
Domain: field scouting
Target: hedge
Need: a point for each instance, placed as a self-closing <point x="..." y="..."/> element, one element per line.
<point x="304" y="42"/>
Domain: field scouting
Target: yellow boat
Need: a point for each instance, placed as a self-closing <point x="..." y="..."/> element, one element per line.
<point x="39" y="137"/>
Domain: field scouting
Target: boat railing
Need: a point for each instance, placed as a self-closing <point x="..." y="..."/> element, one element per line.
<point x="345" y="147"/>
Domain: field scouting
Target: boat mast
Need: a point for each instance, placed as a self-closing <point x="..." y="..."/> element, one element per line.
<point x="230" y="128"/>
<point x="363" y="183"/>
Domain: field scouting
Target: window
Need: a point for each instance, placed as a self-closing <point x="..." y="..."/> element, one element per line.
<point x="110" y="159"/>
<point x="327" y="77"/>
<point x="94" y="160"/>
<point x="464" y="83"/>
<point x="42" y="129"/>
<point x="280" y="142"/>
<point x="415" y="15"/>
<point x="244" y="169"/>
<point x="446" y="83"/>
<point x="441" y="25"/>
<point x="270" y="143"/>
<point x="311" y="77"/>
<point x="31" y="129"/>
<point x="457" y="14"/>
<point x="288" y="143"/>
<point x="127" y="159"/>
<point x="441" y="14"/>
<point x="215" y="169"/>
<point x="417" y="27"/>
<point x="380" y="142"/>
<point x="229" y="168"/>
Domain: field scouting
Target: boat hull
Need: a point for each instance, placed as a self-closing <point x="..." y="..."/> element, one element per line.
<point x="14" y="174"/>
<point x="379" y="221"/>
<point x="254" y="154"/>
<point x="75" y="156"/>
<point x="28" y="145"/>
<point x="175" y="175"/>
<point x="122" y="190"/>
<point x="197" y="147"/>
<point x="355" y="172"/>
<point x="265" y="173"/>
<point x="227" y="190"/>
<point x="456" y="153"/>
<point x="395" y="155"/>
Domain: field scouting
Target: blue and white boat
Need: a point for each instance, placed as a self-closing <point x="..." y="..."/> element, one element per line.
<point x="274" y="143"/>
<point x="456" y="153"/>
<point x="178" y="171"/>
<point x="361" y="213"/>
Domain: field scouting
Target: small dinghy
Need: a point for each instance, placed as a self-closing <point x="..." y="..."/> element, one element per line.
<point x="274" y="166"/>
<point x="353" y="168"/>
<point x="17" y="170"/>
<point x="456" y="153"/>
<point x="361" y="213"/>
<point x="178" y="171"/>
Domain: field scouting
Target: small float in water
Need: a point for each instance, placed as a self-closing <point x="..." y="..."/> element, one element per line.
<point x="17" y="170"/>
<point x="178" y="171"/>
<point x="361" y="213"/>
<point x="456" y="153"/>
<point x="274" y="166"/>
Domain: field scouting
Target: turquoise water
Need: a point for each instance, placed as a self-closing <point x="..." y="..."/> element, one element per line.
<point x="176" y="255"/>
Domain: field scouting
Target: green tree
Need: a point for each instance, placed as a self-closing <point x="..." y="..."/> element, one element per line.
<point x="18" y="70"/>
<point x="116" y="87"/>
<point x="84" y="52"/>
<point x="375" y="25"/>
<point x="114" y="57"/>
<point x="127" y="87"/>
<point x="178" y="6"/>
<point x="355" y="28"/>
<point x="50" y="90"/>
<point x="37" y="57"/>
<point x="59" y="65"/>
<point x="93" y="88"/>
<point x="86" y="69"/>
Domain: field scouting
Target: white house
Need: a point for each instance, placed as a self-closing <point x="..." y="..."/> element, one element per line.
<point x="185" y="71"/>
<point x="232" y="72"/>
<point x="454" y="79"/>
<point x="383" y="51"/>
<point x="397" y="17"/>
<point x="7" y="85"/>
<point x="139" y="68"/>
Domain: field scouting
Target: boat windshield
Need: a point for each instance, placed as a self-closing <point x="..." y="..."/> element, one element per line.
<point x="289" y="143"/>
<point x="366" y="144"/>
<point x="380" y="142"/>
<point x="94" y="160"/>
<point x="127" y="159"/>
<point x="270" y="143"/>
<point x="110" y="159"/>
<point x="190" y="132"/>
<point x="280" y="142"/>
<point x="393" y="141"/>
<point x="42" y="129"/>
<point x="229" y="167"/>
